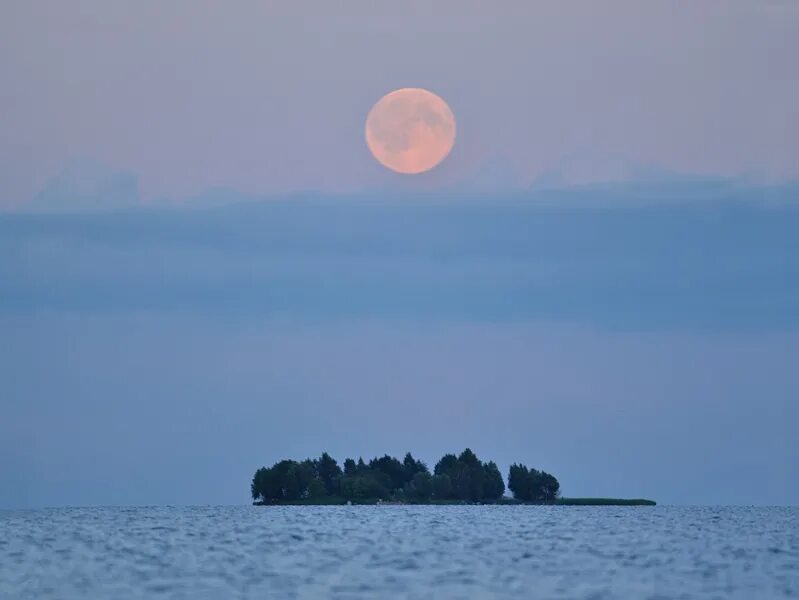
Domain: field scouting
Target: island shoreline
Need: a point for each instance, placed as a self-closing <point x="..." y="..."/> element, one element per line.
<point x="503" y="502"/>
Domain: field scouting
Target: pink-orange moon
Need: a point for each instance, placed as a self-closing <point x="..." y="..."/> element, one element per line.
<point x="410" y="130"/>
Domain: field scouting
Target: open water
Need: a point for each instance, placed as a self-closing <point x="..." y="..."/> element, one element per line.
<point x="400" y="552"/>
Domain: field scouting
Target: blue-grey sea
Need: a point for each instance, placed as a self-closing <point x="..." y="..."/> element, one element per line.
<point x="400" y="552"/>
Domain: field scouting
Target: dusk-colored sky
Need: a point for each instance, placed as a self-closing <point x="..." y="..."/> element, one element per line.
<point x="601" y="279"/>
<point x="190" y="95"/>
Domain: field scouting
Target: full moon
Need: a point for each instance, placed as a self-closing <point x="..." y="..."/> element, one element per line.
<point x="410" y="130"/>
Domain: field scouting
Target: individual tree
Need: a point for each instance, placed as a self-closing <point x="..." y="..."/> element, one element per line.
<point x="350" y="467"/>
<point x="257" y="486"/>
<point x="412" y="466"/>
<point x="329" y="472"/>
<point x="457" y="474"/>
<point x="288" y="482"/>
<point x="475" y="482"/>
<point x="549" y="487"/>
<point x="468" y="477"/>
<point x="469" y="458"/>
<point x="493" y="486"/>
<point x="446" y="465"/>
<point x="519" y="482"/>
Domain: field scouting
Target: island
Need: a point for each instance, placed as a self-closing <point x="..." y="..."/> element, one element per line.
<point x="456" y="479"/>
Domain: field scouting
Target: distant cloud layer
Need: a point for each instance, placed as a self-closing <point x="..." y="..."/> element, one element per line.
<point x="715" y="260"/>
<point x="87" y="185"/>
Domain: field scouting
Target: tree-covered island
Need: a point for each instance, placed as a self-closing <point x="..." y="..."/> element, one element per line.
<point x="455" y="479"/>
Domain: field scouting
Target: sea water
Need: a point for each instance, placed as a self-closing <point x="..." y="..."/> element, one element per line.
<point x="400" y="552"/>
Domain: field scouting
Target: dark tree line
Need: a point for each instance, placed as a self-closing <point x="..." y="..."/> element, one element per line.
<point x="531" y="485"/>
<point x="454" y="478"/>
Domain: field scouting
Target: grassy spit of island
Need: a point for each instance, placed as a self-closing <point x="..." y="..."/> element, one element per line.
<point x="461" y="479"/>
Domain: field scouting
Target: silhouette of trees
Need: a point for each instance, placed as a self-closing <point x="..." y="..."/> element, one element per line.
<point x="531" y="485"/>
<point x="286" y="480"/>
<point x="442" y="487"/>
<point x="390" y="472"/>
<point x="461" y="478"/>
<point x="493" y="485"/>
<point x="316" y="489"/>
<point x="328" y="471"/>
<point x="420" y="487"/>
<point x="468" y="479"/>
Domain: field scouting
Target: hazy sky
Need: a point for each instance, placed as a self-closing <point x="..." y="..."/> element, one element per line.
<point x="636" y="338"/>
<point x="160" y="357"/>
<point x="194" y="94"/>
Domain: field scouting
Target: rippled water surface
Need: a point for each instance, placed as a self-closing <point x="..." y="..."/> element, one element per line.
<point x="400" y="552"/>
